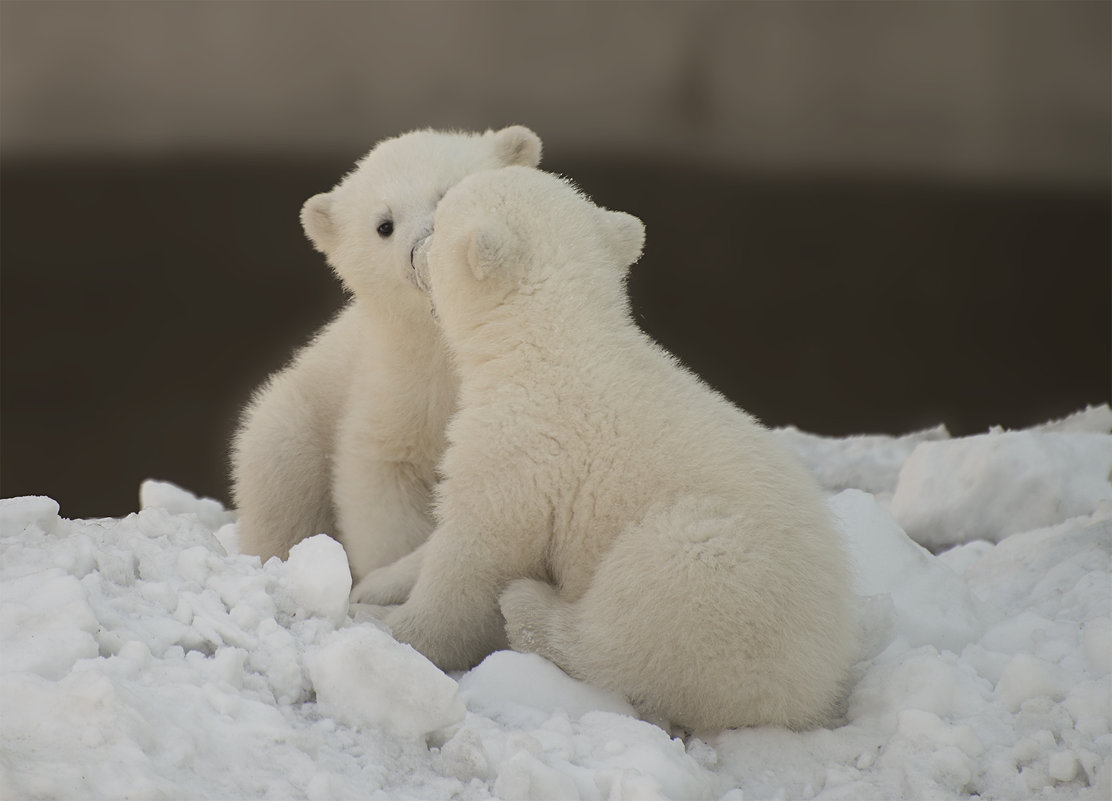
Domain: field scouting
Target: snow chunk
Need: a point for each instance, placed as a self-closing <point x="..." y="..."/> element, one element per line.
<point x="508" y="685"/>
<point x="993" y="485"/>
<point x="318" y="577"/>
<point x="16" y="514"/>
<point x="1090" y="420"/>
<point x="868" y="462"/>
<point x="228" y="537"/>
<point x="962" y="557"/>
<point x="46" y="624"/>
<point x="1027" y="677"/>
<point x="363" y="677"/>
<point x="1046" y="565"/>
<point x="931" y="604"/>
<point x="1096" y="644"/>
<point x="637" y="760"/>
<point x="464" y="757"/>
<point x="523" y="777"/>
<point x="1062" y="766"/>
<point x="177" y="501"/>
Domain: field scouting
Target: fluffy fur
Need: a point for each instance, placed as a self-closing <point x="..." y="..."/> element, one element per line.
<point x="346" y="438"/>
<point x="600" y="505"/>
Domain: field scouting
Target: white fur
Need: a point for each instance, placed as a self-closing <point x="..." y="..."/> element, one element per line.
<point x="642" y="532"/>
<point x="346" y="438"/>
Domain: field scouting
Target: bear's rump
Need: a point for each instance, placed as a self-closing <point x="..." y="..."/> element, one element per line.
<point x="708" y="623"/>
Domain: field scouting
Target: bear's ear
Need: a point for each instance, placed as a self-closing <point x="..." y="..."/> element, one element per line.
<point x="517" y="145"/>
<point x="489" y="247"/>
<point x="316" y="221"/>
<point x="627" y="236"/>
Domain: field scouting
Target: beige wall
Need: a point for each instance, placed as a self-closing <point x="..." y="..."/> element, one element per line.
<point x="997" y="89"/>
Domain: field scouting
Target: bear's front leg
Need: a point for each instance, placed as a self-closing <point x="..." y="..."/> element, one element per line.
<point x="391" y="584"/>
<point x="452" y="615"/>
<point x="383" y="508"/>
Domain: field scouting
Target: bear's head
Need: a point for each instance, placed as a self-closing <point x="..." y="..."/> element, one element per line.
<point x="526" y="246"/>
<point x="369" y="224"/>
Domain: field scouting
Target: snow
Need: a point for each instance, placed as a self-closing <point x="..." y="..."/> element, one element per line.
<point x="318" y="577"/>
<point x="871" y="463"/>
<point x="526" y="688"/>
<point x="364" y="678"/>
<point x="144" y="657"/>
<point x="903" y="587"/>
<point x="1035" y="479"/>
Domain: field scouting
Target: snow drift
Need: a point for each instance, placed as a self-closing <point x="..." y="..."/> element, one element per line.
<point x="143" y="657"/>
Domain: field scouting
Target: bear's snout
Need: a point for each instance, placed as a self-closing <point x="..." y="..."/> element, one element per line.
<point x="419" y="261"/>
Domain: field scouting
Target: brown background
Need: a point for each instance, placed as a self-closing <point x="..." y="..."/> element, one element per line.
<point x="861" y="217"/>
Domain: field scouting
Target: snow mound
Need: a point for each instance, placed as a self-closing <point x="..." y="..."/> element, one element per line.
<point x="362" y="677"/>
<point x="929" y="603"/>
<point x="145" y="657"/>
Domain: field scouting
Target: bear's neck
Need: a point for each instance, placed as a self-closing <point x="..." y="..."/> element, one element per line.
<point x="501" y="344"/>
<point x="407" y="333"/>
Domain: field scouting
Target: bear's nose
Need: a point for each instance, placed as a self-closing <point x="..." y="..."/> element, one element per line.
<point x="419" y="244"/>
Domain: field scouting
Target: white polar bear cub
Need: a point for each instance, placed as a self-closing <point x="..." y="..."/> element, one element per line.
<point x="346" y="438"/>
<point x="643" y="533"/>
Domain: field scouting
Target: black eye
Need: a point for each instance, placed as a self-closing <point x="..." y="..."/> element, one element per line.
<point x="385" y="228"/>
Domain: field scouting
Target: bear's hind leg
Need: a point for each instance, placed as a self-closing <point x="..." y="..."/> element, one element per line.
<point x="281" y="472"/>
<point x="451" y="615"/>
<point x="538" y="621"/>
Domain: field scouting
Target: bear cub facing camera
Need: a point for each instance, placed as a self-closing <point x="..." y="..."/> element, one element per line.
<point x="346" y="438"/>
<point x="600" y="505"/>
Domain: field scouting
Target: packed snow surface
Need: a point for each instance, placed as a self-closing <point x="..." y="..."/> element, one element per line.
<point x="143" y="657"/>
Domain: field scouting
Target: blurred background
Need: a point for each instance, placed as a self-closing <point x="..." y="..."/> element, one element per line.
<point x="862" y="217"/>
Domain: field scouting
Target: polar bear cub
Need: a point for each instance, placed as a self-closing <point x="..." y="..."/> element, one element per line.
<point x="639" y="530"/>
<point x="346" y="438"/>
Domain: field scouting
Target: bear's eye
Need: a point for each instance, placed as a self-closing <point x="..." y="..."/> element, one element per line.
<point x="385" y="228"/>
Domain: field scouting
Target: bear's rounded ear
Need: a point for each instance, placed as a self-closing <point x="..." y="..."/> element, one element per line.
<point x="489" y="247"/>
<point x="627" y="236"/>
<point x="517" y="145"/>
<point x="316" y="221"/>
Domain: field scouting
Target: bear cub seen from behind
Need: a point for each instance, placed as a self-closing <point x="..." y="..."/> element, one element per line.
<point x="600" y="505"/>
